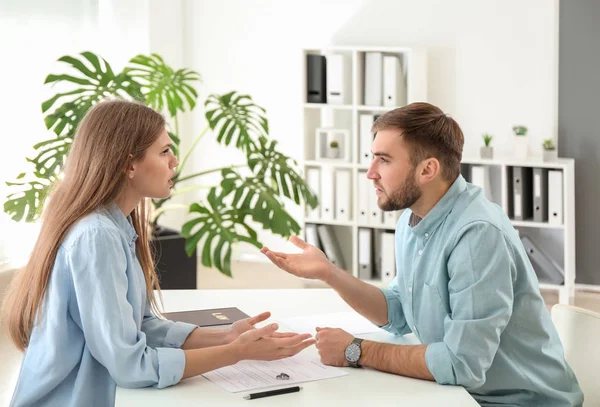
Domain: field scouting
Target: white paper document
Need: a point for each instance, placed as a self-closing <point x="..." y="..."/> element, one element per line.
<point x="254" y="374"/>
<point x="351" y="322"/>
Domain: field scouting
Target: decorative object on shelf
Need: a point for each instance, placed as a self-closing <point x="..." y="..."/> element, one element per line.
<point x="332" y="144"/>
<point x="521" y="142"/>
<point x="487" y="151"/>
<point x="244" y="196"/>
<point x="334" y="149"/>
<point x="549" y="153"/>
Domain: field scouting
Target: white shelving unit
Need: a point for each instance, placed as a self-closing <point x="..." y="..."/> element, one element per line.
<point x="346" y="116"/>
<point x="557" y="240"/>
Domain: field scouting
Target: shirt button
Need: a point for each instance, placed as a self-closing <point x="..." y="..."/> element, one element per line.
<point x="415" y="329"/>
<point x="426" y="234"/>
<point x="420" y="252"/>
<point x="410" y="289"/>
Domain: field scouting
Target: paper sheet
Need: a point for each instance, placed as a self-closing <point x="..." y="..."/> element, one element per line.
<point x="253" y="374"/>
<point x="351" y="322"/>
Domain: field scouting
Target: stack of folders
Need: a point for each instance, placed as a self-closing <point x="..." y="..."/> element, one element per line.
<point x="385" y="82"/>
<point x="537" y="195"/>
<point x="334" y="189"/>
<point x="328" y="79"/>
<point x="323" y="237"/>
<point x="546" y="269"/>
<point x="376" y="257"/>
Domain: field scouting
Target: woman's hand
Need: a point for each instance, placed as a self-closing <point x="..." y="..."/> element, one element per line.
<point x="247" y="324"/>
<point x="266" y="344"/>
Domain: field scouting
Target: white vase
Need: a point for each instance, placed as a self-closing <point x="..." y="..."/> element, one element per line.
<point x="550" y="155"/>
<point x="333" y="152"/>
<point x="521" y="147"/>
<point x="486" y="152"/>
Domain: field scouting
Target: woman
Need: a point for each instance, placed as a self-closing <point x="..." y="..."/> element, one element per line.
<point x="83" y="309"/>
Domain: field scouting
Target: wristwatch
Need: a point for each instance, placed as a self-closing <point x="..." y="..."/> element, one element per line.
<point x="353" y="352"/>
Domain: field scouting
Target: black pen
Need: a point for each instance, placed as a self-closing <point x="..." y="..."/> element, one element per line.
<point x="272" y="393"/>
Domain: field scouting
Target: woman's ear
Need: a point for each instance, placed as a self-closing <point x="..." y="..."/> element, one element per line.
<point x="130" y="170"/>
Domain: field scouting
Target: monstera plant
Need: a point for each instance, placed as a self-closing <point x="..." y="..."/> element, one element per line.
<point x="255" y="191"/>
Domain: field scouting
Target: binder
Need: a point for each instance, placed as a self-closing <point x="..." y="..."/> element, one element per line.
<point x="316" y="85"/>
<point x="337" y="80"/>
<point x="362" y="197"/>
<point x="311" y="236"/>
<point x="388" y="257"/>
<point x="375" y="214"/>
<point x="330" y="245"/>
<point x="555" y="197"/>
<point x="546" y="269"/>
<point x="327" y="194"/>
<point x="366" y="138"/>
<point x="373" y="78"/>
<point x="522" y="193"/>
<point x="480" y="176"/>
<point x="394" y="87"/>
<point x="540" y="194"/>
<point x="313" y="179"/>
<point x="390" y="218"/>
<point x="465" y="171"/>
<point x="343" y="192"/>
<point x="365" y="251"/>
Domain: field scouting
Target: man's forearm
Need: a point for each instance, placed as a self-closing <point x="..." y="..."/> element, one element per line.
<point x="365" y="298"/>
<point x="404" y="360"/>
<point x="205" y="337"/>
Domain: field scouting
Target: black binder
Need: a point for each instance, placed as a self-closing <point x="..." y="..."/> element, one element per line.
<point x="316" y="79"/>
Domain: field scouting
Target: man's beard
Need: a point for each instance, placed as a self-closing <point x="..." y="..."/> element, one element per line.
<point x="404" y="197"/>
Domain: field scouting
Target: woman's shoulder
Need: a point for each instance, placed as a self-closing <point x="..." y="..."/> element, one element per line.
<point x="96" y="224"/>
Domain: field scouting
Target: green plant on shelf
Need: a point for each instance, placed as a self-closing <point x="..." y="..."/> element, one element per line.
<point x="548" y="145"/>
<point x="520" y="130"/>
<point x="487" y="139"/>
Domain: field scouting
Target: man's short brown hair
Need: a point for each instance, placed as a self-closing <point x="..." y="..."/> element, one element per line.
<point x="428" y="132"/>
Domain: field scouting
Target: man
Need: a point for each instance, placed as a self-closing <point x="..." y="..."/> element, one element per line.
<point x="464" y="287"/>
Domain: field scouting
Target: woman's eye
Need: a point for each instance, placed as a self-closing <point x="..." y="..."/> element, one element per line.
<point x="166" y="151"/>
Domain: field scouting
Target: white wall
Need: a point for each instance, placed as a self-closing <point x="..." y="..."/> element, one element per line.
<point x="492" y="64"/>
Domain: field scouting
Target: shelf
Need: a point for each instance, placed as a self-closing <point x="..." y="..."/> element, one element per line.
<point x="381" y="109"/>
<point x="533" y="161"/>
<point x="327" y="105"/>
<point x="329" y="163"/>
<point x="554" y="287"/>
<point x="329" y="222"/>
<point x="377" y="227"/>
<point x="530" y="224"/>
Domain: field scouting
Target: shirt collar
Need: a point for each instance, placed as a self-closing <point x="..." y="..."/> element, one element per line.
<point x="124" y="223"/>
<point x="441" y="209"/>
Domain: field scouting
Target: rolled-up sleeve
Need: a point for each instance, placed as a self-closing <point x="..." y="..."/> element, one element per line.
<point x="164" y="333"/>
<point x="396" y="320"/>
<point x="98" y="262"/>
<point x="481" y="272"/>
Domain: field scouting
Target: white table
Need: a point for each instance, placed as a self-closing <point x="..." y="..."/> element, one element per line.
<point x="361" y="387"/>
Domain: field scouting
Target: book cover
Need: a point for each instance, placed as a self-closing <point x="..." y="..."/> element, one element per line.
<point x="208" y="317"/>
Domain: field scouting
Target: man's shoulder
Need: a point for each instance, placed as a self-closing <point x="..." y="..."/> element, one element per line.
<point x="473" y="210"/>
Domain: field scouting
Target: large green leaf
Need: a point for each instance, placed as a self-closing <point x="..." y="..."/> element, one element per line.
<point x="217" y="226"/>
<point x="93" y="80"/>
<point x="28" y="202"/>
<point x="267" y="162"/>
<point x="253" y="196"/>
<point x="235" y="118"/>
<point x="164" y="86"/>
<point x="51" y="156"/>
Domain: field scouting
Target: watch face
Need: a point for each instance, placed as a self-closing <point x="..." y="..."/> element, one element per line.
<point x="353" y="353"/>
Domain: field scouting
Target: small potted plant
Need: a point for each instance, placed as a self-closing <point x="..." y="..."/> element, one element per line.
<point x="549" y="153"/>
<point x="487" y="151"/>
<point x="521" y="143"/>
<point x="334" y="149"/>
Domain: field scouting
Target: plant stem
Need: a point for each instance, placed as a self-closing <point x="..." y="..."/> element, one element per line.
<point x="189" y="151"/>
<point x="209" y="172"/>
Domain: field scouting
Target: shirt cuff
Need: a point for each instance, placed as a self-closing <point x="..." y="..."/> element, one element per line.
<point x="392" y="301"/>
<point x="171" y="363"/>
<point x="178" y="333"/>
<point x="437" y="359"/>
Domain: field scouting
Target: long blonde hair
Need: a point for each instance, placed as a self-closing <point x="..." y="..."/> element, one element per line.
<point x="112" y="134"/>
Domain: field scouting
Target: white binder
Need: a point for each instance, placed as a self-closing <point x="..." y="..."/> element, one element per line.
<point x="343" y="191"/>
<point x="388" y="257"/>
<point x="311" y="236"/>
<point x="330" y="245"/>
<point x="363" y="189"/>
<point x="390" y="218"/>
<point x="366" y="138"/>
<point x="480" y="176"/>
<point x="373" y="78"/>
<point x="326" y="197"/>
<point x="394" y="87"/>
<point x="337" y="91"/>
<point x="313" y="179"/>
<point x="365" y="250"/>
<point x="555" y="197"/>
<point x="375" y="214"/>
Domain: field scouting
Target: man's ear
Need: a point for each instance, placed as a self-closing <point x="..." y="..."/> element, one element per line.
<point x="429" y="170"/>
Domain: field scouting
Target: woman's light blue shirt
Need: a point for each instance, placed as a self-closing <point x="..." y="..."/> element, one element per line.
<point x="96" y="330"/>
<point x="466" y="288"/>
